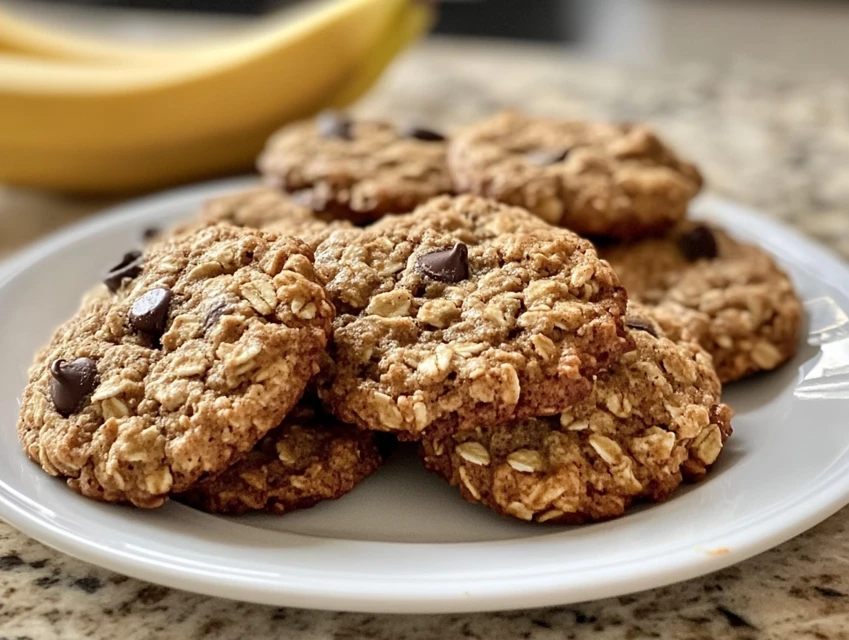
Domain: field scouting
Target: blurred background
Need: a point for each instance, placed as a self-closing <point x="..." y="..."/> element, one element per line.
<point x="798" y="34"/>
<point x="755" y="91"/>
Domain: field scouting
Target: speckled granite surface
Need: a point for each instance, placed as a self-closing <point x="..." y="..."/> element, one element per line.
<point x="777" y="142"/>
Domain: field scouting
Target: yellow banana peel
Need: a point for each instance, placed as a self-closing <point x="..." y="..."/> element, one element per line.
<point x="92" y="128"/>
<point x="21" y="37"/>
<point x="412" y="22"/>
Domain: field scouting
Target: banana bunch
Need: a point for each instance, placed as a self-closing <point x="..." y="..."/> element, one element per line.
<point x="89" y="117"/>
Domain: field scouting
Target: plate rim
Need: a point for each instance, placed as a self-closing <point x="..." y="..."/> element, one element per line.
<point x="469" y="593"/>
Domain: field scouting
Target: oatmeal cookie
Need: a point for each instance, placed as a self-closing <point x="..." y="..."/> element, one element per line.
<point x="731" y="296"/>
<point x="309" y="458"/>
<point x="651" y="421"/>
<point x="357" y="169"/>
<point x="267" y="209"/>
<point x="597" y="179"/>
<point x="465" y="311"/>
<point x="187" y="358"/>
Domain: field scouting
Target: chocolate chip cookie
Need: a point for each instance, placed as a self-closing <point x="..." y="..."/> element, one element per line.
<point x="309" y="458"/>
<point x="357" y="169"/>
<point x="267" y="209"/>
<point x="464" y="312"/>
<point x="187" y="358"/>
<point x="651" y="421"/>
<point x="597" y="179"/>
<point x="731" y="296"/>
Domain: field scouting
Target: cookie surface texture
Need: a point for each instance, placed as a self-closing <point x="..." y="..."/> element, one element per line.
<point x="309" y="458"/>
<point x="731" y="296"/>
<point x="358" y="171"/>
<point x="651" y="422"/>
<point x="266" y="209"/>
<point x="597" y="179"/>
<point x="202" y="349"/>
<point x="465" y="311"/>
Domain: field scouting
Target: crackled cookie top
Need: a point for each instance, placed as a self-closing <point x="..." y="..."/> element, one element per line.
<point x="264" y="208"/>
<point x="651" y="421"/>
<point x="310" y="457"/>
<point x="189" y="356"/>
<point x="465" y="311"/>
<point x="599" y="179"/>
<point x="731" y="296"/>
<point x="357" y="169"/>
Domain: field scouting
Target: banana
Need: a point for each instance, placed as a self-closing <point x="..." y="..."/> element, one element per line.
<point x="407" y="28"/>
<point x="21" y="37"/>
<point x="89" y="129"/>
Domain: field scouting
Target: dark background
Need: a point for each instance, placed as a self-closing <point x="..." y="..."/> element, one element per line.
<point x="520" y="19"/>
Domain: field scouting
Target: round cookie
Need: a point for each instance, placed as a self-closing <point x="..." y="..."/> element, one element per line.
<point x="358" y="170"/>
<point x="205" y="344"/>
<point x="464" y="311"/>
<point x="597" y="179"/>
<point x="731" y="296"/>
<point x="267" y="209"/>
<point x="309" y="458"/>
<point x="651" y="421"/>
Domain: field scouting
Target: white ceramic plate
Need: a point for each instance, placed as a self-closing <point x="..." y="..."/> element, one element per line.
<point x="405" y="542"/>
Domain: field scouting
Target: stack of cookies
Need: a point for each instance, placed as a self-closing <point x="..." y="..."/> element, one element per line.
<point x="525" y="300"/>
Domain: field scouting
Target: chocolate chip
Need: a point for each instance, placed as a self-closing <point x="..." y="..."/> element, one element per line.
<point x="640" y="324"/>
<point x="446" y="265"/>
<point x="149" y="312"/>
<point x="333" y="124"/>
<point x="220" y="308"/>
<point x="150" y="233"/>
<point x="420" y="133"/>
<point x="699" y="242"/>
<point x="544" y="157"/>
<point x="70" y="383"/>
<point x="129" y="267"/>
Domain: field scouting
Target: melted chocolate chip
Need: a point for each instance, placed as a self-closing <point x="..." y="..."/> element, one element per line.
<point x="70" y="383"/>
<point x="149" y="312"/>
<point x="640" y="324"/>
<point x="698" y="243"/>
<point x="129" y="267"/>
<point x="420" y="133"/>
<point x="446" y="265"/>
<point x="333" y="124"/>
<point x="545" y="157"/>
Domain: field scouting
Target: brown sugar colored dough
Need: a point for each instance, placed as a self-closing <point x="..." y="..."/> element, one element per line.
<point x="356" y="169"/>
<point x="651" y="421"/>
<point x="465" y="311"/>
<point x="731" y="296"/>
<point x="309" y="458"/>
<point x="206" y="343"/>
<point x="597" y="179"/>
<point x="267" y="209"/>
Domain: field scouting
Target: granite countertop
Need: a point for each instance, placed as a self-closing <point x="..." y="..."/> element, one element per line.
<point x="771" y="140"/>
